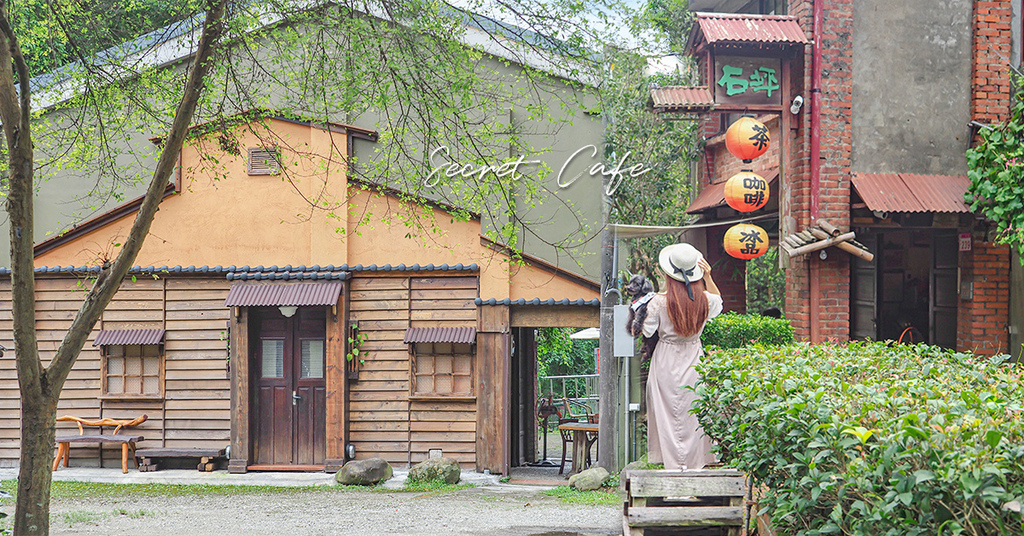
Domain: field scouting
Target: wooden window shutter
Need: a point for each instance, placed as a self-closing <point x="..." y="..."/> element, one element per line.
<point x="264" y="161"/>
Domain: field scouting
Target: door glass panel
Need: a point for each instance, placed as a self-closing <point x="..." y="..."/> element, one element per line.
<point x="312" y="359"/>
<point x="273" y="358"/>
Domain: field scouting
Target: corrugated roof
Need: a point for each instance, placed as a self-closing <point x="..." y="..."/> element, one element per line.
<point x="713" y="196"/>
<point x="273" y="295"/>
<point x="129" y="336"/>
<point x="738" y="28"/>
<point x="682" y="98"/>
<point x="908" y="192"/>
<point x="537" y="301"/>
<point x="466" y="335"/>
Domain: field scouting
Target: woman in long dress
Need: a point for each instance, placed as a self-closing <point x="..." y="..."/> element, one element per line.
<point x="691" y="298"/>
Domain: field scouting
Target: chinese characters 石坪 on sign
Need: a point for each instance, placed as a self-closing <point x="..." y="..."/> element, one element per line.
<point x="748" y="80"/>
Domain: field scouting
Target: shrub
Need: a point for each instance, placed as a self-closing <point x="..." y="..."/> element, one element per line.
<point x="732" y="330"/>
<point x="873" y="439"/>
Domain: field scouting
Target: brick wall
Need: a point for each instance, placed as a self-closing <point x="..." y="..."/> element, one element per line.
<point x="982" y="320"/>
<point x="990" y="88"/>
<point x="833" y="278"/>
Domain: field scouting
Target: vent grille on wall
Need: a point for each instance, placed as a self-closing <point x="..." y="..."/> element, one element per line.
<point x="264" y="161"/>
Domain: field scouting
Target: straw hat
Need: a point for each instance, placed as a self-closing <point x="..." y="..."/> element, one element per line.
<point x="679" y="261"/>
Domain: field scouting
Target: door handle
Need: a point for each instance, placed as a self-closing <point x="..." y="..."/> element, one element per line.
<point x="295" y="398"/>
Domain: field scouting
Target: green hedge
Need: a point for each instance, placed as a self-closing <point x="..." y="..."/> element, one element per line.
<point x="871" y="439"/>
<point x="732" y="330"/>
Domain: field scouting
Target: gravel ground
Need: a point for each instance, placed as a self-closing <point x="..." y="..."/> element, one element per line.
<point x="488" y="510"/>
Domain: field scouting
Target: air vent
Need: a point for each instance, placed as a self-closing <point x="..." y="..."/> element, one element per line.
<point x="264" y="161"/>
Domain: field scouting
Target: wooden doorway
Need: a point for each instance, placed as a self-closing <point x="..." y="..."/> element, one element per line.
<point x="289" y="388"/>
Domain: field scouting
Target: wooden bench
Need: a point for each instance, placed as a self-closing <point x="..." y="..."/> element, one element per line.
<point x="127" y="441"/>
<point x="145" y="459"/>
<point x="705" y="501"/>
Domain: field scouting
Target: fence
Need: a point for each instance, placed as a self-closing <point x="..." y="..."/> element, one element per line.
<point x="580" y="387"/>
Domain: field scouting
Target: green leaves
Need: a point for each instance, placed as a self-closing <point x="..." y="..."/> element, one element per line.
<point x="867" y="438"/>
<point x="733" y="330"/>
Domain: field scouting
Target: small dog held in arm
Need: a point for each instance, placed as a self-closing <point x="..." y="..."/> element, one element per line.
<point x="640" y="291"/>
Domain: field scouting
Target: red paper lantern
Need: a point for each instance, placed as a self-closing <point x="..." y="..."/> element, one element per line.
<point x="746" y="241"/>
<point x="746" y="191"/>
<point x="747" y="138"/>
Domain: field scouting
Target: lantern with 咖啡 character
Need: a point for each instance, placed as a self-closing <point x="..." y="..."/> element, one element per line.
<point x="746" y="191"/>
<point x="746" y="241"/>
<point x="747" y="138"/>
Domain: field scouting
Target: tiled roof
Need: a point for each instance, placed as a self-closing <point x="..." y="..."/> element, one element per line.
<point x="461" y="335"/>
<point x="261" y="269"/>
<point x="273" y="295"/>
<point x="680" y="98"/>
<point x="129" y="336"/>
<point x="537" y="301"/>
<point x="908" y="192"/>
<point x="739" y="28"/>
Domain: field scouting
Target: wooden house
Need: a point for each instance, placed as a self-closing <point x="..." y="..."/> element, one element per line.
<point x="301" y="336"/>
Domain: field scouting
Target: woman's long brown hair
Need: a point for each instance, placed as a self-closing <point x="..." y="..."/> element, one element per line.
<point x="687" y="315"/>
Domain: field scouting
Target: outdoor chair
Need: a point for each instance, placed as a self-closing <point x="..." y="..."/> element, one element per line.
<point x="573" y="411"/>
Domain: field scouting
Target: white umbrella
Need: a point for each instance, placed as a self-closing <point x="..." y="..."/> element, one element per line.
<point x="589" y="333"/>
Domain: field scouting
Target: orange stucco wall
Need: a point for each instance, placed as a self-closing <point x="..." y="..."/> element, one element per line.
<point x="223" y="216"/>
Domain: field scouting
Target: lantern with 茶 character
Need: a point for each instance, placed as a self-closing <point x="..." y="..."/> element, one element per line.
<point x="747" y="138"/>
<point x="746" y="191"/>
<point x="746" y="241"/>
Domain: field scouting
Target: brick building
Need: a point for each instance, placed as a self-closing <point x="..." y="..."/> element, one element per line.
<point x="892" y="96"/>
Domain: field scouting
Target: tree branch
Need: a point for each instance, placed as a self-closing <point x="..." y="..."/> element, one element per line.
<point x="14" y="112"/>
<point x="110" y="279"/>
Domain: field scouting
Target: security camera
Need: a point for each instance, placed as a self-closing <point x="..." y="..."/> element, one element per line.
<point x="798" y="102"/>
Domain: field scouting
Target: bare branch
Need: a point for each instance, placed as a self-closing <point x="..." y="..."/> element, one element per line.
<point x="109" y="282"/>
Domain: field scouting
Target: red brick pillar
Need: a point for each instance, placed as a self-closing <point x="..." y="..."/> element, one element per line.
<point x="984" y="311"/>
<point x="833" y="302"/>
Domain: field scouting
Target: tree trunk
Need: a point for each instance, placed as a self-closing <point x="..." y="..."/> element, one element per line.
<point x="38" y="424"/>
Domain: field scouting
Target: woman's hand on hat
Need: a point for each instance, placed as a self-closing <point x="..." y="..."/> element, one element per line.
<point x="704" y="266"/>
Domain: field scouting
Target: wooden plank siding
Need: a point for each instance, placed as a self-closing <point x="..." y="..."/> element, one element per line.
<point x="384" y="421"/>
<point x="193" y="411"/>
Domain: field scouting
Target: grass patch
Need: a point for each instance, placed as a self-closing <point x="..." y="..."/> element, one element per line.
<point x="81" y="516"/>
<point x="433" y="486"/>
<point x="94" y="490"/>
<point x="601" y="497"/>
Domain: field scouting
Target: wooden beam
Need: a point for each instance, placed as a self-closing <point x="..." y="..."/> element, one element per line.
<point x="555" y="316"/>
<point x="337" y="390"/>
<point x="822" y="244"/>
<point x="845" y="246"/>
<point x="240" y="450"/>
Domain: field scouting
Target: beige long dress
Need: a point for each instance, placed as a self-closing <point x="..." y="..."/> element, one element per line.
<point x="674" y="436"/>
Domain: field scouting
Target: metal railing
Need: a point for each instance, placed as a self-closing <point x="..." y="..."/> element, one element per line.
<point x="581" y="387"/>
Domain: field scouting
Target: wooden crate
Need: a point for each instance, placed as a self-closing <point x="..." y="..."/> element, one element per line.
<point x="706" y="501"/>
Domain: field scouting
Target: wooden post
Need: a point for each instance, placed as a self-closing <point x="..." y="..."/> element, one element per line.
<point x="240" y="446"/>
<point x="337" y="388"/>
<point x="493" y="395"/>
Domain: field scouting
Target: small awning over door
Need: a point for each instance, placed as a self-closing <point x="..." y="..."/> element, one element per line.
<point x="909" y="192"/>
<point x="278" y="294"/>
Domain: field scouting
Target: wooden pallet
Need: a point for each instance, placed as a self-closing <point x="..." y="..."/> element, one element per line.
<point x="698" y="502"/>
<point x="147" y="459"/>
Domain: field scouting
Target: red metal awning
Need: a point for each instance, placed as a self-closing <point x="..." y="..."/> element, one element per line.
<point x="908" y="192"/>
<point x="466" y="335"/>
<point x="110" y="337"/>
<point x="739" y="28"/>
<point x="713" y="196"/>
<point x="694" y="99"/>
<point x="274" y="295"/>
